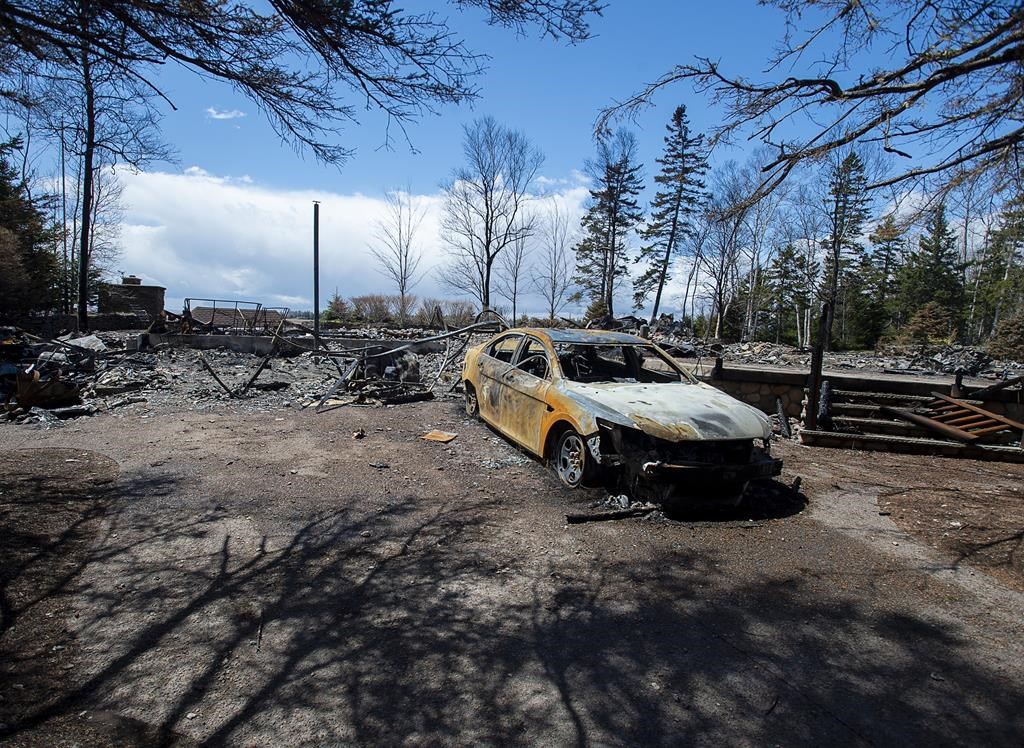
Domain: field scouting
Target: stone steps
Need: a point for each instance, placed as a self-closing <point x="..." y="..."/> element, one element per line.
<point x="911" y="445"/>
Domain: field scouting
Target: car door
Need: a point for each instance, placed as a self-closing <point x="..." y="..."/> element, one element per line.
<point x="524" y="404"/>
<point x="494" y="363"/>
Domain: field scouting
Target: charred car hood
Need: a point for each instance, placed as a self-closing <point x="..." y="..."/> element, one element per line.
<point x="674" y="411"/>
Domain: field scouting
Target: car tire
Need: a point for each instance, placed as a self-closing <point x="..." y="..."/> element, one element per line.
<point x="573" y="464"/>
<point x="472" y="402"/>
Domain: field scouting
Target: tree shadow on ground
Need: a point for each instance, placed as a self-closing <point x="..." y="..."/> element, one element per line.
<point x="410" y="622"/>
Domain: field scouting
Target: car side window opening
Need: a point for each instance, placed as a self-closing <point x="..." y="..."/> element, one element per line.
<point x="533" y="359"/>
<point x="587" y="363"/>
<point x="504" y="348"/>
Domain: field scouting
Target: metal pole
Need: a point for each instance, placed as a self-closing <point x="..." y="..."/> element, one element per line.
<point x="316" y="274"/>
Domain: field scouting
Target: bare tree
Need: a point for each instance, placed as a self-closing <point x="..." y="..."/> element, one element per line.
<point x="103" y="115"/>
<point x="721" y="253"/>
<point x="805" y="230"/>
<point x="552" y="275"/>
<point x="396" y="251"/>
<point x="949" y="104"/>
<point x="510" y="280"/>
<point x="762" y="223"/>
<point x="105" y="222"/>
<point x="698" y="240"/>
<point x="484" y="205"/>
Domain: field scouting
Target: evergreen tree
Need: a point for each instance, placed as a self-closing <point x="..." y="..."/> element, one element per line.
<point x="28" y="268"/>
<point x="1008" y="340"/>
<point x="680" y="193"/>
<point x="612" y="213"/>
<point x="863" y="316"/>
<point x="886" y="259"/>
<point x="1001" y="277"/>
<point x="847" y="204"/>
<point x="787" y="292"/>
<point x="932" y="273"/>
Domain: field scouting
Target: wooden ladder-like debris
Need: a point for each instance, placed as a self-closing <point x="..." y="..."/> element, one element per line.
<point x="958" y="420"/>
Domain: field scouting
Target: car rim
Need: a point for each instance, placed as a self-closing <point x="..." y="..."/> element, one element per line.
<point x="570" y="460"/>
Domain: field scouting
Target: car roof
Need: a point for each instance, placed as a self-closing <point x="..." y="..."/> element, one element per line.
<point x="576" y="335"/>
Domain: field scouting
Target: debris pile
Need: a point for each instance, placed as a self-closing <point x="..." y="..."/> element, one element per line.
<point x="394" y="376"/>
<point x="49" y="381"/>
<point x="914" y="360"/>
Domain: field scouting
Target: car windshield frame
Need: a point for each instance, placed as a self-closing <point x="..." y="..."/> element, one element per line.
<point x="648" y="349"/>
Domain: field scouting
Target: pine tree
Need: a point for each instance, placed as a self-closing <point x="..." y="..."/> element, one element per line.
<point x="887" y="259"/>
<point x="29" y="274"/>
<point x="863" y="316"/>
<point x="848" y="210"/>
<point x="932" y="273"/>
<point x="783" y="278"/>
<point x="612" y="213"/>
<point x="1002" y="288"/>
<point x="680" y="194"/>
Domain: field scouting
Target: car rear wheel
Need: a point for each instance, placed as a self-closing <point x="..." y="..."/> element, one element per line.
<point x="472" y="403"/>
<point x="572" y="463"/>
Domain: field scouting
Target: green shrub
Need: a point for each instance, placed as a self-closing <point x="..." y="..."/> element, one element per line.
<point x="1008" y="341"/>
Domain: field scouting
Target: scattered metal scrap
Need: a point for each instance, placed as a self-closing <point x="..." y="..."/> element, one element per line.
<point x="230" y="315"/>
<point x="47" y="374"/>
<point x="243" y="388"/>
<point x="639" y="511"/>
<point x="363" y="381"/>
<point x="1017" y="382"/>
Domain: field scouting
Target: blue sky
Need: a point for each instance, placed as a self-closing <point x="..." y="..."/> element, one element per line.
<point x="231" y="218"/>
<point x="551" y="91"/>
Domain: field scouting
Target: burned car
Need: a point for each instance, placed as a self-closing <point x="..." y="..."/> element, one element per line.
<point x="614" y="408"/>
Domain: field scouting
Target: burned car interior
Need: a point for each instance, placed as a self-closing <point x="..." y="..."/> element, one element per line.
<point x="615" y="363"/>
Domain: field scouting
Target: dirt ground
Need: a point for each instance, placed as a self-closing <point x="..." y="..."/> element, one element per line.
<point x="970" y="512"/>
<point x="187" y="577"/>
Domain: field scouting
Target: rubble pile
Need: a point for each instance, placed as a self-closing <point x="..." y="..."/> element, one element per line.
<point x="916" y="360"/>
<point x="49" y="381"/>
<point x="373" y="333"/>
<point x="387" y="378"/>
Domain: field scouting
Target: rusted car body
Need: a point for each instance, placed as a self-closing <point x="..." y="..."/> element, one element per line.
<point x="602" y="405"/>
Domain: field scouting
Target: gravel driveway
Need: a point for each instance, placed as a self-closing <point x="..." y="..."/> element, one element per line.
<point x="248" y="579"/>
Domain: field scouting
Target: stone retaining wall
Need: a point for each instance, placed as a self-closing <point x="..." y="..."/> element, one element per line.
<point x="762" y="388"/>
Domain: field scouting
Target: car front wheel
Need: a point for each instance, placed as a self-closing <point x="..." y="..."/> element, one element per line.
<point x="572" y="463"/>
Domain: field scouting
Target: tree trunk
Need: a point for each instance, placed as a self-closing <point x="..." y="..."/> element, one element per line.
<point x="661" y="280"/>
<point x="485" y="291"/>
<point x="977" y="284"/>
<point x="833" y="293"/>
<point x="669" y="246"/>
<point x="84" y="247"/>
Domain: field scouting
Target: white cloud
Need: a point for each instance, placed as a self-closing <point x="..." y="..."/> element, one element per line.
<point x="214" y="113"/>
<point x="208" y="236"/>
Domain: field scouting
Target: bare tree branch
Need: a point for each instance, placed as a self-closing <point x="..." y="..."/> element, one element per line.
<point x="951" y="107"/>
<point x="309" y="65"/>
